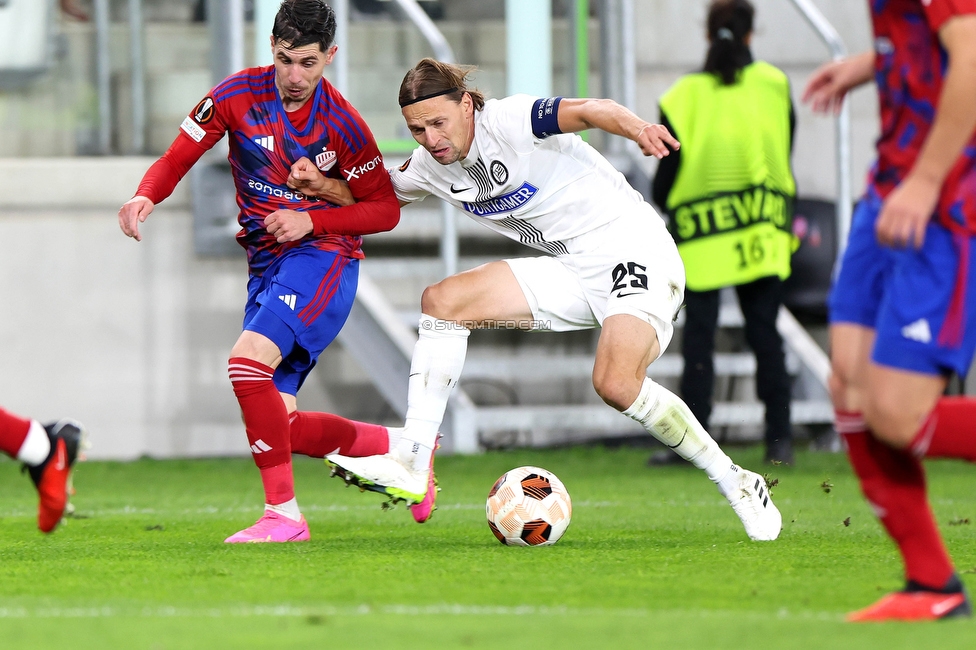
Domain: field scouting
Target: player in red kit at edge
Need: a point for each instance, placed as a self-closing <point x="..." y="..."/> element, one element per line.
<point x="903" y="305"/>
<point x="303" y="253"/>
<point x="48" y="453"/>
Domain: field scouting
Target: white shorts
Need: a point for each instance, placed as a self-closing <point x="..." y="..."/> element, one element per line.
<point x="629" y="266"/>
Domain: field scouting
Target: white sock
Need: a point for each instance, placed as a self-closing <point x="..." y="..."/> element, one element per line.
<point x="434" y="372"/>
<point x="287" y="509"/>
<point x="396" y="434"/>
<point x="36" y="447"/>
<point x="668" y="418"/>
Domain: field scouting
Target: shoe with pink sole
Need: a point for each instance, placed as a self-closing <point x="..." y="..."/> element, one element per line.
<point x="272" y="527"/>
<point x="422" y="511"/>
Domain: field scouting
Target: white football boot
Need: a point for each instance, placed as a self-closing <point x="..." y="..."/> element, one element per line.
<point x="384" y="474"/>
<point x="751" y="501"/>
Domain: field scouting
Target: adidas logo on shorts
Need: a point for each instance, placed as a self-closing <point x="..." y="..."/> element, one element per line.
<point x="918" y="331"/>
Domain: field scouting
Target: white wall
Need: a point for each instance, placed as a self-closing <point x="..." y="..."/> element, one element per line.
<point x="96" y="326"/>
<point x="671" y="41"/>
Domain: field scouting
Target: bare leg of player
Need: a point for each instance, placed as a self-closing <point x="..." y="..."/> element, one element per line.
<point x="627" y="347"/>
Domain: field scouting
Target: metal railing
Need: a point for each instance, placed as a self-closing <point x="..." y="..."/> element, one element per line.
<point x="443" y="52"/>
<point x="838" y="50"/>
<point x="579" y="38"/>
<point x="137" y="52"/>
<point x="103" y="78"/>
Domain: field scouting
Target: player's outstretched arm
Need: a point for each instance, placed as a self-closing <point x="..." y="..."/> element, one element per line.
<point x="307" y="179"/>
<point x="909" y="208"/>
<point x="607" y="115"/>
<point x="158" y="183"/>
<point x="132" y="213"/>
<point x="830" y="83"/>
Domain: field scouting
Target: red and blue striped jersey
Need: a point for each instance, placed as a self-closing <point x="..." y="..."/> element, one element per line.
<point x="264" y="143"/>
<point x="910" y="68"/>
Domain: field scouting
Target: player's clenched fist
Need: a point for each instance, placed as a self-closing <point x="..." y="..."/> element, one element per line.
<point x="306" y="177"/>
<point x="133" y="212"/>
<point x="288" y="225"/>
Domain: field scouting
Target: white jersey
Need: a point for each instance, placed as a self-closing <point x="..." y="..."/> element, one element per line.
<point x="540" y="189"/>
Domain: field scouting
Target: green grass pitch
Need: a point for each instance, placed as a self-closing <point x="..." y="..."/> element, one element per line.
<point x="654" y="558"/>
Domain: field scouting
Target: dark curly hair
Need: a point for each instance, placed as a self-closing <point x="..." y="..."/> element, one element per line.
<point x="729" y="23"/>
<point x="303" y="22"/>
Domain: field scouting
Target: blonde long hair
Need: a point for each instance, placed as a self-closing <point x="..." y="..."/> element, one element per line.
<point x="432" y="78"/>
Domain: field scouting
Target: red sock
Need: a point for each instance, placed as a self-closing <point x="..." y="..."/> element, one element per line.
<point x="371" y="440"/>
<point x="266" y="423"/>
<point x="320" y="434"/>
<point x="893" y="482"/>
<point x="948" y="431"/>
<point x="13" y="432"/>
<point x="279" y="483"/>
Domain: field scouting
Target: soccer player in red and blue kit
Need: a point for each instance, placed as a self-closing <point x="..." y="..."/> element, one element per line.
<point x="903" y="306"/>
<point x="303" y="253"/>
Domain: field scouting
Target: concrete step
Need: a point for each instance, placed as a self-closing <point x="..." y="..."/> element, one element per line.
<point x="539" y="367"/>
<point x="563" y="424"/>
<point x="728" y="316"/>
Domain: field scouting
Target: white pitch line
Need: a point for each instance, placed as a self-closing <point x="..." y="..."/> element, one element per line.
<point x="213" y="510"/>
<point x="446" y="609"/>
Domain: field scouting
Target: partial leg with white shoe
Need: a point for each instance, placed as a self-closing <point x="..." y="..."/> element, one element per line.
<point x="323" y="434"/>
<point x="667" y="418"/>
<point x="406" y="471"/>
<point x="627" y="347"/>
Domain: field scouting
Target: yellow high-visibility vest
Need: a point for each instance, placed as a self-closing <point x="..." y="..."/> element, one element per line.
<point x="731" y="205"/>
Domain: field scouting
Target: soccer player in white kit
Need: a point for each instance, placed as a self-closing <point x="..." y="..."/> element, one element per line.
<point x="516" y="166"/>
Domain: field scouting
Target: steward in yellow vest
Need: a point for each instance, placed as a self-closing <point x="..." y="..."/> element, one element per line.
<point x="729" y="193"/>
<point x="731" y="203"/>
